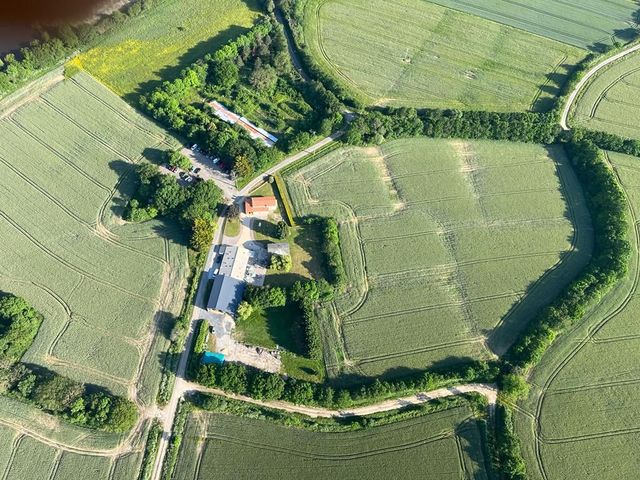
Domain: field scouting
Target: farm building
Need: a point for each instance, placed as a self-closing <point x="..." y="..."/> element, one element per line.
<point x="223" y="113"/>
<point x="281" y="249"/>
<point x="228" y="285"/>
<point x="260" y="205"/>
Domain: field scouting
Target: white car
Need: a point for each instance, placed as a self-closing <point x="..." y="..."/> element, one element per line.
<point x="194" y="148"/>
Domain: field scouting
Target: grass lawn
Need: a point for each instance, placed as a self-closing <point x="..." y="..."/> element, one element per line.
<point x="416" y="53"/>
<point x="450" y="247"/>
<point x="271" y="327"/>
<point x="232" y="227"/>
<point x="159" y="43"/>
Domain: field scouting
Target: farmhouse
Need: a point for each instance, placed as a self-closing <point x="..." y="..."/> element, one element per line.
<point x="281" y="249"/>
<point x="257" y="133"/>
<point x="260" y="205"/>
<point x="228" y="285"/>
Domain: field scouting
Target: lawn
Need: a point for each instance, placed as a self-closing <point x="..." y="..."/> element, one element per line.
<point x="446" y="445"/>
<point x="416" y="53"/>
<point x="580" y="406"/>
<point x="583" y="23"/>
<point x="607" y="103"/>
<point x="165" y="39"/>
<point x="102" y="285"/>
<point x="450" y="247"/>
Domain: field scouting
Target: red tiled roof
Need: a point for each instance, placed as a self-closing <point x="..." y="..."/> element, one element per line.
<point x="262" y="201"/>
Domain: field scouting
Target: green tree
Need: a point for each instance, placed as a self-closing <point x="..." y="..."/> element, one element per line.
<point x="233" y="378"/>
<point x="202" y="234"/>
<point x="224" y="73"/>
<point x="19" y="324"/>
<point x="244" y="311"/>
<point x="280" y="263"/>
<point x="242" y="167"/>
<point x="122" y="415"/>
<point x="267" y="386"/>
<point x="203" y="202"/>
<point x="57" y="393"/>
<point x="168" y="195"/>
<point x="282" y="230"/>
<point x="178" y="160"/>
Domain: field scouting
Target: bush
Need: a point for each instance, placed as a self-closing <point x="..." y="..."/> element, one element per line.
<point x="280" y="263"/>
<point x="513" y="387"/>
<point x="333" y="254"/>
<point x="245" y="309"/>
<point x="19" y="325"/>
<point x="178" y="160"/>
<point x="507" y="455"/>
<point x="282" y="230"/>
<point x="265" y="297"/>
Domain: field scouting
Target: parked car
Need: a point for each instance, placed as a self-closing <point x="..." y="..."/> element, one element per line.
<point x="183" y="175"/>
<point x="215" y="272"/>
<point x="197" y="170"/>
<point x="172" y="168"/>
<point x="219" y="259"/>
<point x="188" y="178"/>
<point x="194" y="148"/>
<point x="215" y="160"/>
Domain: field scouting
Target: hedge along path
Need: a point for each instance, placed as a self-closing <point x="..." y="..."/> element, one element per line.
<point x="489" y="391"/>
<point x="324" y="183"/>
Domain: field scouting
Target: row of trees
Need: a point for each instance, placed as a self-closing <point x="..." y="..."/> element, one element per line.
<point x="380" y="125"/>
<point x="53" y="393"/>
<point x="195" y="206"/>
<point x="56" y="43"/>
<point x="244" y="380"/>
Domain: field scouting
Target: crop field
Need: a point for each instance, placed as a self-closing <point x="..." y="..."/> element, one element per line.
<point x="450" y="246"/>
<point x="25" y="457"/>
<point x="443" y="445"/>
<point x="102" y="286"/>
<point x="415" y="53"/>
<point x="584" y="404"/>
<point x="607" y="103"/>
<point x="164" y="40"/>
<point x="583" y="23"/>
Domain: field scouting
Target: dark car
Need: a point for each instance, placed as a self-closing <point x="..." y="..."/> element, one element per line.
<point x="197" y="170"/>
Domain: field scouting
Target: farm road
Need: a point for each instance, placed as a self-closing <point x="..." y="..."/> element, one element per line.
<point x="581" y="84"/>
<point x="490" y="392"/>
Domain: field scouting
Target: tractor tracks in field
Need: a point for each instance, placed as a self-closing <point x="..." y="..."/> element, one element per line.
<point x="592" y="331"/>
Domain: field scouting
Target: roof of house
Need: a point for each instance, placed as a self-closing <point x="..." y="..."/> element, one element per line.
<point x="262" y="201"/>
<point x="226" y="294"/>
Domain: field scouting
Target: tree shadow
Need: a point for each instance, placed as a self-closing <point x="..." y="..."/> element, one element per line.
<point x="552" y="86"/>
<point x="541" y="292"/>
<point x="198" y="51"/>
<point x="264" y="227"/>
<point x="475" y="448"/>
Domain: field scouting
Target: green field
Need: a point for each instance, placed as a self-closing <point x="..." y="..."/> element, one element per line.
<point x="608" y="102"/>
<point x="415" y="53"/>
<point x="103" y="286"/>
<point x="167" y="38"/>
<point x="450" y="247"/>
<point x="584" y="405"/>
<point x="36" y="446"/>
<point x="438" y="446"/>
<point x="583" y="23"/>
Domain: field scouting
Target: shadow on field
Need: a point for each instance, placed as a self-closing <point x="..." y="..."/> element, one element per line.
<point x="554" y="82"/>
<point x="349" y="379"/>
<point x="474" y="446"/>
<point x="196" y="52"/>
<point x="541" y="292"/>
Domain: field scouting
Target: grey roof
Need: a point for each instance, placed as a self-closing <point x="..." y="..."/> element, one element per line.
<point x="226" y="294"/>
<point x="228" y="259"/>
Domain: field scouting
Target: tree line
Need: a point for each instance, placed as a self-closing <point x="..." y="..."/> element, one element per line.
<point x="53" y="393"/>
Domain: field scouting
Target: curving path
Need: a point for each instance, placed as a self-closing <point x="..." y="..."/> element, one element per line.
<point x="581" y="84"/>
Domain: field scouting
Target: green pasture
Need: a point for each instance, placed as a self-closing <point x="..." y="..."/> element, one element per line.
<point x="444" y="445"/>
<point x="583" y="23"/>
<point x="416" y="53"/>
<point x="608" y="102"/>
<point x="450" y="247"/>
<point x="66" y="171"/>
<point x="159" y="43"/>
<point x="584" y="402"/>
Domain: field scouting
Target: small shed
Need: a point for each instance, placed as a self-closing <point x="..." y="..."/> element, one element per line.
<point x="281" y="249"/>
<point x="209" y="358"/>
